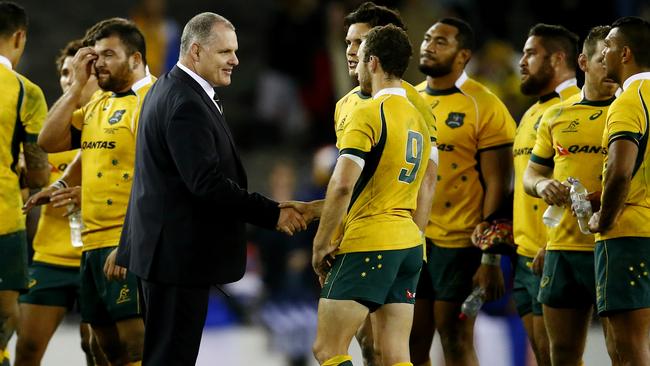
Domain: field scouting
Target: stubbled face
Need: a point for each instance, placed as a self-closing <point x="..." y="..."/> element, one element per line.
<point x="613" y="55"/>
<point x="596" y="73"/>
<point x="362" y="71"/>
<point x="356" y="34"/>
<point x="535" y="67"/>
<point x="114" y="69"/>
<point x="217" y="59"/>
<point x="438" y="50"/>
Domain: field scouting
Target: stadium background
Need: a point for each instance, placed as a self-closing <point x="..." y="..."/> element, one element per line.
<point x="280" y="106"/>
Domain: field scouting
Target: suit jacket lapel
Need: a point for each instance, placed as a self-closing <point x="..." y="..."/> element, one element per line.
<point x="177" y="72"/>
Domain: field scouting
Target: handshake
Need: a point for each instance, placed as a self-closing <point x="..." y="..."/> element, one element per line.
<point x="296" y="215"/>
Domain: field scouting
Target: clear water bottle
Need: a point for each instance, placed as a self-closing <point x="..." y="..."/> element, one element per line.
<point x="472" y="303"/>
<point x="553" y="215"/>
<point x="76" y="225"/>
<point x="580" y="204"/>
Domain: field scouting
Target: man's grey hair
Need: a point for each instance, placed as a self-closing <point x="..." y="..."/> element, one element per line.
<point x="199" y="28"/>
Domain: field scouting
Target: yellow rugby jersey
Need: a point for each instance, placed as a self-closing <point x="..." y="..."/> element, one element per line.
<point x="390" y="134"/>
<point x="22" y="112"/>
<point x="108" y="126"/>
<point x="470" y="119"/>
<point x="52" y="240"/>
<point x="628" y="118"/>
<point x="355" y="98"/>
<point x="569" y="140"/>
<point x="528" y="229"/>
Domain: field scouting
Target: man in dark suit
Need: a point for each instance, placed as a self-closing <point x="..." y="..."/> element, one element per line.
<point x="185" y="224"/>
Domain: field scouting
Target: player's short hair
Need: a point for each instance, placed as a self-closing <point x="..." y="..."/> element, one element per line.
<point x="635" y="33"/>
<point x="199" y="29"/>
<point x="12" y="18"/>
<point x="68" y="51"/>
<point x="465" y="36"/>
<point x="556" y="38"/>
<point x="391" y="45"/>
<point x="596" y="34"/>
<point x="124" y="29"/>
<point x="374" y="15"/>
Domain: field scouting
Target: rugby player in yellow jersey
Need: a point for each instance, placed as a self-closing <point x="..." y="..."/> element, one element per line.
<point x="623" y="235"/>
<point x="384" y="150"/>
<point x="22" y="111"/>
<point x="358" y="24"/>
<point x="475" y="133"/>
<point x="547" y="72"/>
<point x="54" y="274"/>
<point x="568" y="144"/>
<point x="105" y="130"/>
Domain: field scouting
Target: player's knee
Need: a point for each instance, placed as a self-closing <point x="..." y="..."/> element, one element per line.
<point x="28" y="348"/>
<point x="419" y="349"/>
<point x="457" y="344"/>
<point x="320" y="352"/>
<point x="133" y="345"/>
<point x="565" y="353"/>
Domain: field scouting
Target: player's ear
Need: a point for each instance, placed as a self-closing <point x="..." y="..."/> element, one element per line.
<point x="194" y="51"/>
<point x="136" y="60"/>
<point x="582" y="62"/>
<point x="626" y="55"/>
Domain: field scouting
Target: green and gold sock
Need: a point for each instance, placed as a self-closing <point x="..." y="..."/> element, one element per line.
<point x="340" y="360"/>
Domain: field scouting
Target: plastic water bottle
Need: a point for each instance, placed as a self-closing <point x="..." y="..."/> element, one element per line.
<point x="472" y="303"/>
<point x="580" y="204"/>
<point x="553" y="215"/>
<point x="76" y="225"/>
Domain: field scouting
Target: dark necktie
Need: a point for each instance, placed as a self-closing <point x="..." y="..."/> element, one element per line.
<point x="217" y="100"/>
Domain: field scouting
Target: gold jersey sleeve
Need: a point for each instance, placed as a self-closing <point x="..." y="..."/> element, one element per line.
<point x="529" y="232"/>
<point x="470" y="119"/>
<point x="569" y="141"/>
<point x="629" y="118"/>
<point x="22" y="112"/>
<point x="52" y="243"/>
<point x="108" y="157"/>
<point x="392" y="138"/>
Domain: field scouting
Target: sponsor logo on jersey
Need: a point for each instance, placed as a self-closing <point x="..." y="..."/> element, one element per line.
<point x="98" y="145"/>
<point x="116" y="117"/>
<point x="522" y="151"/>
<point x="455" y="119"/>
<point x="536" y="125"/>
<point x="576" y="149"/>
<point x="434" y="104"/>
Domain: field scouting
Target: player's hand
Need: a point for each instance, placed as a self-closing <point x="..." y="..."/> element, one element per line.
<point x="64" y="197"/>
<point x="40" y="198"/>
<point x="478" y="231"/>
<point x="82" y="66"/>
<point x="310" y="210"/>
<point x="112" y="270"/>
<point x="595" y="225"/>
<point x="553" y="192"/>
<point x="538" y="262"/>
<point x="594" y="198"/>
<point x="322" y="261"/>
<point x="490" y="278"/>
<point x="290" y="221"/>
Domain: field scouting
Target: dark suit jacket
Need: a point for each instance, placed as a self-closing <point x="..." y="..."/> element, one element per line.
<point x="185" y="223"/>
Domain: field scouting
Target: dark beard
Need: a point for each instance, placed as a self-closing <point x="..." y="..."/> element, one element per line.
<point x="116" y="82"/>
<point x="535" y="83"/>
<point x="436" y="71"/>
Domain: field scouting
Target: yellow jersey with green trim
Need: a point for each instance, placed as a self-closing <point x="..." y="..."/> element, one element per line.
<point x="629" y="118"/>
<point x="392" y="137"/>
<point x="52" y="243"/>
<point x="355" y="98"/>
<point x="528" y="229"/>
<point x="108" y="125"/>
<point x="569" y="140"/>
<point x="22" y="112"/>
<point x="471" y="119"/>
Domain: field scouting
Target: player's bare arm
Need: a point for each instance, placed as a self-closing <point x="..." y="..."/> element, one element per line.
<point x="37" y="172"/>
<point x="620" y="165"/>
<point x="337" y="199"/>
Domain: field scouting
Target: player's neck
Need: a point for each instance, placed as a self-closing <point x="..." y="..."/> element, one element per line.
<point x="444" y="82"/>
<point x="382" y="81"/>
<point x="5" y="51"/>
<point x="631" y="70"/>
